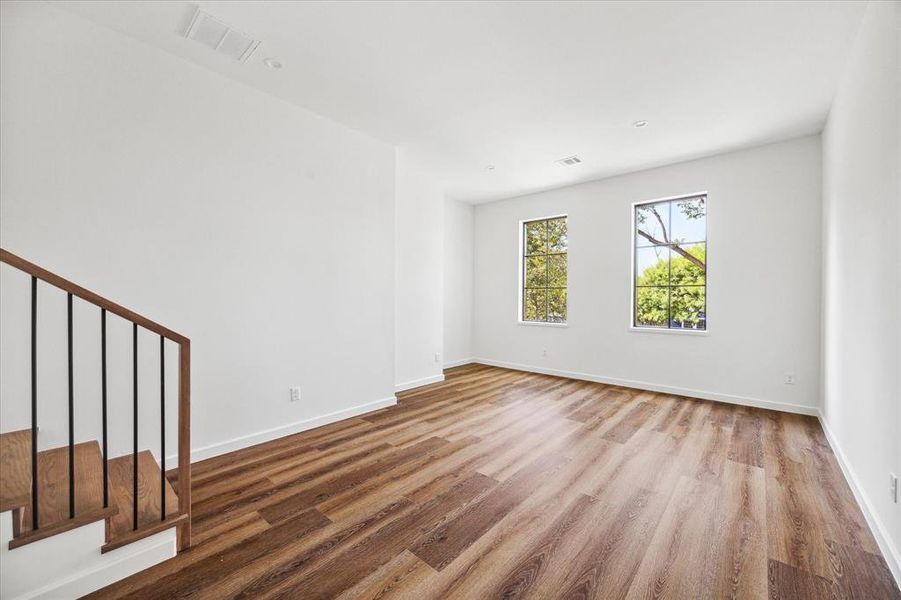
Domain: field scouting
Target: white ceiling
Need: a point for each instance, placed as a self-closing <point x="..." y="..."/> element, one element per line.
<point x="519" y="85"/>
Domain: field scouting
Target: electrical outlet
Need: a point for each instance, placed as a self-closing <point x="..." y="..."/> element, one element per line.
<point x="789" y="379"/>
<point x="893" y="487"/>
<point x="437" y="357"/>
<point x="544" y="352"/>
<point x="295" y="394"/>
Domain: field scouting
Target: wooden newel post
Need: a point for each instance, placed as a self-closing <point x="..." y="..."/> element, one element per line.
<point x="184" y="443"/>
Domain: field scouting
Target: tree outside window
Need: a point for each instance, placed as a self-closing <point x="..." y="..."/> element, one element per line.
<point x="670" y="264"/>
<point x="544" y="263"/>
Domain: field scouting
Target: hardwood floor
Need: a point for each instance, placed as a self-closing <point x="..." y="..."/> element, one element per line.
<point x="502" y="484"/>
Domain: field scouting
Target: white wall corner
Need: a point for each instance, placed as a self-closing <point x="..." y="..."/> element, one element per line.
<point x="459" y="362"/>
<point x="415" y="383"/>
<point x="889" y="551"/>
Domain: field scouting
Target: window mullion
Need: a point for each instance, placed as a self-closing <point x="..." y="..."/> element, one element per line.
<point x="669" y="266"/>
<point x="547" y="248"/>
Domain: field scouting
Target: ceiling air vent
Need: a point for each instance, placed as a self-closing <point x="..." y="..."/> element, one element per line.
<point x="211" y="32"/>
<point x="569" y="161"/>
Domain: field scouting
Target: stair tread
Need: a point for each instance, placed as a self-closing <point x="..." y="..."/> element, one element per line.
<point x="53" y="491"/>
<point x="15" y="469"/>
<point x="121" y="526"/>
<point x="53" y="485"/>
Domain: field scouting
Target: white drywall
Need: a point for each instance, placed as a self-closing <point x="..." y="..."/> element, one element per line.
<point x="862" y="301"/>
<point x="458" y="265"/>
<point x="261" y="231"/>
<point x="419" y="255"/>
<point x="70" y="564"/>
<point x="763" y="281"/>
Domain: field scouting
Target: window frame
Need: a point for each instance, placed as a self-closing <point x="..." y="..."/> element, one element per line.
<point x="521" y="280"/>
<point x="633" y="254"/>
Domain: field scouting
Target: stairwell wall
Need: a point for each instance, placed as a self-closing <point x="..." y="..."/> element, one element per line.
<point x="260" y="230"/>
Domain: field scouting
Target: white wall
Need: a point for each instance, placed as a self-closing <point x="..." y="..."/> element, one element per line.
<point x="458" y="265"/>
<point x="419" y="255"/>
<point x="764" y="280"/>
<point x="862" y="305"/>
<point x="70" y="564"/>
<point x="260" y="230"/>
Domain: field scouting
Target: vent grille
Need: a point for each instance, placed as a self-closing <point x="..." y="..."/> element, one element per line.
<point x="569" y="161"/>
<point x="213" y="33"/>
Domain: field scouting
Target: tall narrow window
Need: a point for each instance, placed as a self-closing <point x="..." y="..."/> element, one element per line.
<point x="670" y="264"/>
<point x="544" y="270"/>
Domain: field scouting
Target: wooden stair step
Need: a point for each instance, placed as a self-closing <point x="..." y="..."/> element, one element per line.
<point x="53" y="491"/>
<point x="15" y="469"/>
<point x="121" y="530"/>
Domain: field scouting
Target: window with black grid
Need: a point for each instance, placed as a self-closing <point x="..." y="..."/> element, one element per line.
<point x="670" y="264"/>
<point x="544" y="265"/>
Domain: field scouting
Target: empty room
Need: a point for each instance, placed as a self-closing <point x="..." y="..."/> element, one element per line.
<point x="450" y="299"/>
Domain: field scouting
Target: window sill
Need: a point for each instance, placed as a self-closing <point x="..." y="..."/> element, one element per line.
<point x="698" y="332"/>
<point x="542" y="324"/>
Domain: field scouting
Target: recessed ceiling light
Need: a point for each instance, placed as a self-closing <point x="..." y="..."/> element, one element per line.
<point x="641" y="123"/>
<point x="490" y="167"/>
<point x="273" y="63"/>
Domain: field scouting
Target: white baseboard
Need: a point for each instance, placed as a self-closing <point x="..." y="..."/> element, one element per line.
<point x="409" y="385"/>
<point x="252" y="439"/>
<point x="654" y="387"/>
<point x="889" y="551"/>
<point x="458" y="363"/>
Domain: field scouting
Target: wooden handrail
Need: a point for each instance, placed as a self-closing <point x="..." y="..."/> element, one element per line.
<point x="85" y="294"/>
<point x="184" y="372"/>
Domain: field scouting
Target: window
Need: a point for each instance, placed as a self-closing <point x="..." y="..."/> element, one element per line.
<point x="544" y="270"/>
<point x="670" y="264"/>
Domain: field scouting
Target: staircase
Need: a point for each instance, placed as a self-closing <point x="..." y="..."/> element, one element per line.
<point x="58" y="489"/>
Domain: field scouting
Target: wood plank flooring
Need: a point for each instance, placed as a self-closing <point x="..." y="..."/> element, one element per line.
<point x="502" y="484"/>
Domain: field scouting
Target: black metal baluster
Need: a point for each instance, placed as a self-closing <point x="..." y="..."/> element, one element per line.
<point x="103" y="406"/>
<point x="162" y="428"/>
<point x="134" y="348"/>
<point x="34" y="403"/>
<point x="71" y="414"/>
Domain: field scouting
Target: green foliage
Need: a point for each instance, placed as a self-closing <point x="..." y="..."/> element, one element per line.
<point x="556" y="305"/>
<point x="688" y="306"/>
<point x="556" y="271"/>
<point x="678" y="271"/>
<point x="535" y="305"/>
<point x="536" y="237"/>
<point x="556" y="235"/>
<point x="677" y="291"/>
<point x="536" y="271"/>
<point x="651" y="306"/>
